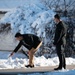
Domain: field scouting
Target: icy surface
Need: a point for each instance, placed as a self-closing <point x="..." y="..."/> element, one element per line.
<point x="63" y="72"/>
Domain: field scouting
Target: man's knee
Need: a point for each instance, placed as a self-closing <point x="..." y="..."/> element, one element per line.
<point x="31" y="52"/>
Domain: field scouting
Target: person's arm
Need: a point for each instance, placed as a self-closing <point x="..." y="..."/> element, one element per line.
<point x="58" y="34"/>
<point x="18" y="46"/>
<point x="16" y="49"/>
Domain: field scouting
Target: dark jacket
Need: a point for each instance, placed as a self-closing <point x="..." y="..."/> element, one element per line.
<point x="29" y="41"/>
<point x="60" y="33"/>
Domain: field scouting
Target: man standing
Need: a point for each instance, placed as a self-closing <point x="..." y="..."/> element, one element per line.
<point x="31" y="42"/>
<point x="59" y="41"/>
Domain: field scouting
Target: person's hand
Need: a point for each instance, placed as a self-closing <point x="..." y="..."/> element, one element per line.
<point x="11" y="54"/>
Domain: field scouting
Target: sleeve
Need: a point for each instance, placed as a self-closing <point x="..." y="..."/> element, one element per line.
<point x="58" y="34"/>
<point x="18" y="46"/>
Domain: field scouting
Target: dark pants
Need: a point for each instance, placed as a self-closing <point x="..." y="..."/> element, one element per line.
<point x="61" y="56"/>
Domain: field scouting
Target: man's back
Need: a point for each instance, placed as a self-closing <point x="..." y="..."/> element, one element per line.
<point x="29" y="41"/>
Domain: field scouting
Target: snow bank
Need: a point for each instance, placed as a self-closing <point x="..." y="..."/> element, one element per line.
<point x="39" y="61"/>
<point x="19" y="61"/>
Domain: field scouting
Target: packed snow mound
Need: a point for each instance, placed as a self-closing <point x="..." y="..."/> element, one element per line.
<point x="19" y="60"/>
<point x="33" y="18"/>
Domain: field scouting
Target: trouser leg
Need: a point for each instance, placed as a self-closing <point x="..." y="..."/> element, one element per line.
<point x="61" y="56"/>
<point x="64" y="64"/>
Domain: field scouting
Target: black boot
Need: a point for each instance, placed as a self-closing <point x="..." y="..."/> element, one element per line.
<point x="31" y="66"/>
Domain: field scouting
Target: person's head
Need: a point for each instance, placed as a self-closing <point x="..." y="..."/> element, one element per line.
<point x="57" y="18"/>
<point x="18" y="36"/>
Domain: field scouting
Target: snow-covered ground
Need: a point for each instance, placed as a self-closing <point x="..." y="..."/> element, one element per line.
<point x="19" y="60"/>
<point x="30" y="17"/>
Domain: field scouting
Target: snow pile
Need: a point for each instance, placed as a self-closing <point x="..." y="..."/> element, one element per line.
<point x="33" y="18"/>
<point x="19" y="61"/>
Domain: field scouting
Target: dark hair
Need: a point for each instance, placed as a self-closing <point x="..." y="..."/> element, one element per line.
<point x="57" y="16"/>
<point x="18" y="34"/>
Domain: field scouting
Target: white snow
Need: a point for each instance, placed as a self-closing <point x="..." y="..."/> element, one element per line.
<point x="19" y="60"/>
<point x="30" y="16"/>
